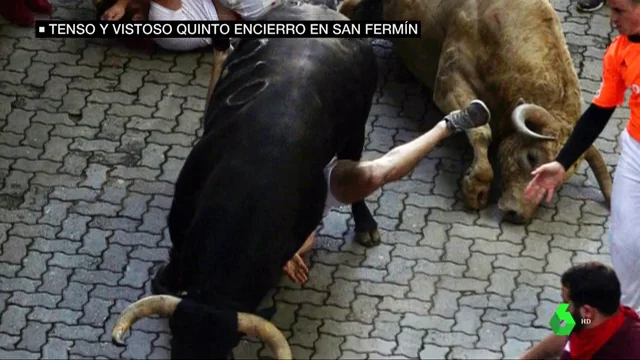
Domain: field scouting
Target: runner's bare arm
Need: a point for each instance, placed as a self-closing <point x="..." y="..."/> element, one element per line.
<point x="548" y="348"/>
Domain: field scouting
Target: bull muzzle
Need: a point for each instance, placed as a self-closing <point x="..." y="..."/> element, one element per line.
<point x="165" y="305"/>
<point x="534" y="113"/>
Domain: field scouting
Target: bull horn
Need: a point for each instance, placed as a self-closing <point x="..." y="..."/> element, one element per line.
<point x="525" y="111"/>
<point x="163" y="305"/>
<point x="264" y="330"/>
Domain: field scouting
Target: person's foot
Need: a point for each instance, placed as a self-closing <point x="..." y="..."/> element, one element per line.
<point x="16" y="12"/>
<point x="297" y="270"/>
<point x="474" y="115"/>
<point x="589" y="5"/>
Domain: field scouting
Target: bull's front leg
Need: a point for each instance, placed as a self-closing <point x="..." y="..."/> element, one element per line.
<point x="476" y="183"/>
<point x="453" y="92"/>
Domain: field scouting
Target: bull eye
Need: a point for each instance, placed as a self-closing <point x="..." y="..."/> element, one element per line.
<point x="528" y="159"/>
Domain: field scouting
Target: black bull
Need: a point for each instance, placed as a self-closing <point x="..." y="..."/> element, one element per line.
<point x="252" y="189"/>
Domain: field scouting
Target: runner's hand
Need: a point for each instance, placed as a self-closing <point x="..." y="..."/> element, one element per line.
<point x="297" y="270"/>
<point x="114" y="13"/>
<point x="545" y="180"/>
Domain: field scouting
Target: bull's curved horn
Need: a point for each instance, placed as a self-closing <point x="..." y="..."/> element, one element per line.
<point x="526" y="111"/>
<point x="264" y="330"/>
<point x="163" y="305"/>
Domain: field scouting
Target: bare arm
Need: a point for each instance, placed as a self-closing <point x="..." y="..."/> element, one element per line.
<point x="549" y="348"/>
<point x="587" y="129"/>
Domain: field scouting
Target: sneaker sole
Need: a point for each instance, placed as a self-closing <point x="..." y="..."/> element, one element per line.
<point x="583" y="9"/>
<point x="485" y="107"/>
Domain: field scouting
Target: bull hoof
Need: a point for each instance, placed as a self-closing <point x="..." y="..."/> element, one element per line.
<point x="476" y="192"/>
<point x="368" y="238"/>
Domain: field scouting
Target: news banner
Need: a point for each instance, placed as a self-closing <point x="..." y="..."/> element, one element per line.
<point x="232" y="29"/>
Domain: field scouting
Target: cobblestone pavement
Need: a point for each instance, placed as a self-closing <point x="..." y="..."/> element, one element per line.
<point x="93" y="136"/>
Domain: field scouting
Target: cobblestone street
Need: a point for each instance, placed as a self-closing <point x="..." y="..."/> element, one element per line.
<point x="92" y="137"/>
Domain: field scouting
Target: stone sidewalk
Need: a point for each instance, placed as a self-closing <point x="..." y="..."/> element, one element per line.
<point x="92" y="137"/>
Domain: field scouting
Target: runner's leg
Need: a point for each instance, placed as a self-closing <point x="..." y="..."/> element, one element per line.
<point x="353" y="181"/>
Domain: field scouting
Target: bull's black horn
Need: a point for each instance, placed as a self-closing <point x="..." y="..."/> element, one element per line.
<point x="163" y="305"/>
<point x="264" y="330"/>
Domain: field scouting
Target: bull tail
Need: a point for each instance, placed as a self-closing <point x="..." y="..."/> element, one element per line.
<point x="599" y="168"/>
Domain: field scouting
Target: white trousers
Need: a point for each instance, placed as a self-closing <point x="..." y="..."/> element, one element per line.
<point x="331" y="201"/>
<point x="625" y="229"/>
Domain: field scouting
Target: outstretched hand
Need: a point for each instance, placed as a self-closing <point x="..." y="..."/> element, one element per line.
<point x="297" y="270"/>
<point x="545" y="180"/>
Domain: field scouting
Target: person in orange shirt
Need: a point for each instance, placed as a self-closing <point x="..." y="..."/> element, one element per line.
<point x="621" y="71"/>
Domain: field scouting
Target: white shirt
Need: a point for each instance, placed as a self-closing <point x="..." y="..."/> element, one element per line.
<point x="191" y="10"/>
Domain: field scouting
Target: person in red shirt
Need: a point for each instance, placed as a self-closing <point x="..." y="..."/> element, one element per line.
<point x="592" y="291"/>
<point x="621" y="71"/>
<point x="20" y="12"/>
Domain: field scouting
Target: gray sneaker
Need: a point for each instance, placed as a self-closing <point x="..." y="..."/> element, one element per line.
<point x="474" y="115"/>
<point x="589" y="5"/>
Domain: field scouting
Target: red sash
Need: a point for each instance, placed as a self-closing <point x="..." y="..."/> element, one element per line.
<point x="585" y="343"/>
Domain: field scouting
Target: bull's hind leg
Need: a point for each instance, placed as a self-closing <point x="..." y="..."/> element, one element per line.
<point x="367" y="233"/>
<point x="452" y="92"/>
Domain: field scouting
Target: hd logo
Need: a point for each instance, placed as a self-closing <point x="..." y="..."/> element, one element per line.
<point x="562" y="315"/>
<point x="558" y="317"/>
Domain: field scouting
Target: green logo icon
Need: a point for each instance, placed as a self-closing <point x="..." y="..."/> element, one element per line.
<point x="561" y="315"/>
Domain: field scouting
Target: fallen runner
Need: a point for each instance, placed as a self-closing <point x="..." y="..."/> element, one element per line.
<point x="351" y="181"/>
<point x="184" y="10"/>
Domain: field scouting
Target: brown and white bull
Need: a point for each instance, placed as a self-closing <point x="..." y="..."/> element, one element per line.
<point x="511" y="54"/>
